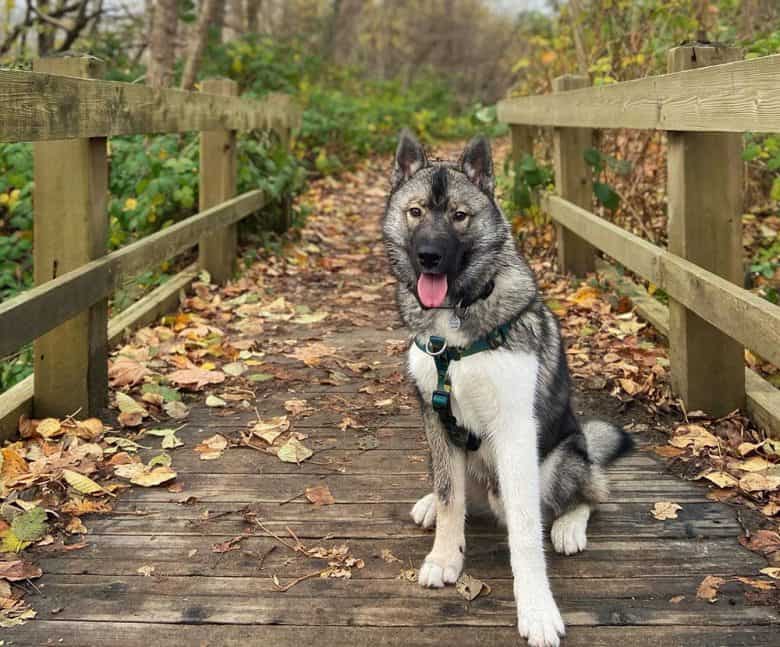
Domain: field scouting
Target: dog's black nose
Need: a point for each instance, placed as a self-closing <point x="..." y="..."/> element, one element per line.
<point x="429" y="258"/>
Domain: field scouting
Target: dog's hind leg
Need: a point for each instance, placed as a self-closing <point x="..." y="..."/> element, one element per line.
<point x="444" y="563"/>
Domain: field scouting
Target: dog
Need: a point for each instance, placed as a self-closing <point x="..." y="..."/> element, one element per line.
<point x="489" y="364"/>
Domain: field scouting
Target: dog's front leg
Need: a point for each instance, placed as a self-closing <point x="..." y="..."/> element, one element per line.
<point x="538" y="618"/>
<point x="445" y="562"/>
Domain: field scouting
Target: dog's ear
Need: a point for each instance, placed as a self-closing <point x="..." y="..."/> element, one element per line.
<point x="409" y="158"/>
<point x="476" y="162"/>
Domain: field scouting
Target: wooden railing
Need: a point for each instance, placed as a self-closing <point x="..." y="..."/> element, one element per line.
<point x="705" y="103"/>
<point x="69" y="115"/>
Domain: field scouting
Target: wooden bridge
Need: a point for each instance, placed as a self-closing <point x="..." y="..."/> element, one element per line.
<point x="234" y="554"/>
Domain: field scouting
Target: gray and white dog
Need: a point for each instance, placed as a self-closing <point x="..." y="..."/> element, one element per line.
<point x="460" y="278"/>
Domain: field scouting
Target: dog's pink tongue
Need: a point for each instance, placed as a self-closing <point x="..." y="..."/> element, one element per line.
<point x="432" y="289"/>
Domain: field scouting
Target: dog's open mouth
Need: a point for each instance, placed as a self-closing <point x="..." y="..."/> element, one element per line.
<point x="432" y="289"/>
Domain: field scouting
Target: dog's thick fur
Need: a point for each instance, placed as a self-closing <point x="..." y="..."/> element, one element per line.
<point x="534" y="452"/>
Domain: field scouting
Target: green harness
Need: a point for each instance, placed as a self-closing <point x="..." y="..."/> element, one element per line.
<point x="442" y="355"/>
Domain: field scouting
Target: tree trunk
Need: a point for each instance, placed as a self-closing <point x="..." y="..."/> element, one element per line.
<point x="253" y="15"/>
<point x="198" y="44"/>
<point x="162" y="44"/>
<point x="235" y="20"/>
<point x="45" y="30"/>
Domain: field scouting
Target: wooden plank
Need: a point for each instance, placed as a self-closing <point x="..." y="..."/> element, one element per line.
<point x="37" y="107"/>
<point x="40" y="309"/>
<point x="762" y="399"/>
<point x="193" y="632"/>
<point x="387" y="520"/>
<point x="218" y="158"/>
<point x="704" y="190"/>
<point x="573" y="183"/>
<point x="379" y="603"/>
<point x="71" y="229"/>
<point x="733" y="97"/>
<point x="151" y="307"/>
<point x="522" y="143"/>
<point x="486" y="557"/>
<point x="744" y="316"/>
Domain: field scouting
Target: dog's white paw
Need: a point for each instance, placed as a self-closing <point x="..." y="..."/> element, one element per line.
<point x="540" y="623"/>
<point x="437" y="571"/>
<point x="569" y="531"/>
<point x="424" y="511"/>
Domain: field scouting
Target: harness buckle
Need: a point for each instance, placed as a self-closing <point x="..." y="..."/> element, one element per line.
<point x="441" y="400"/>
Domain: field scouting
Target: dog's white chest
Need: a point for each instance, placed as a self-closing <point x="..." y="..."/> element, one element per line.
<point x="486" y="386"/>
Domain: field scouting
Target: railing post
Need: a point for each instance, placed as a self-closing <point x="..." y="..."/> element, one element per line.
<point x="573" y="182"/>
<point x="522" y="142"/>
<point x="705" y="208"/>
<point x="71" y="229"/>
<point x="217" y="252"/>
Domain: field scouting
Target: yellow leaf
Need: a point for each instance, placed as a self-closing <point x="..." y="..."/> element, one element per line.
<point x="293" y="451"/>
<point x="81" y="483"/>
<point x="722" y="479"/>
<point x="49" y="427"/>
<point x="272" y="428"/>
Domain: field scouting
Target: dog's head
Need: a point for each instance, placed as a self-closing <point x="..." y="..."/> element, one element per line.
<point x="443" y="231"/>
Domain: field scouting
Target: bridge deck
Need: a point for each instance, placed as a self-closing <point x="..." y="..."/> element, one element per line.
<point x="158" y="570"/>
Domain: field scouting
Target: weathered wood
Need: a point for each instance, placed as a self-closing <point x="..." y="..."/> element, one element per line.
<point x="522" y="142"/>
<point x="40" y="309"/>
<point x="733" y="97"/>
<point x="486" y="557"/>
<point x="37" y="107"/>
<point x="71" y="229"/>
<point x="128" y="634"/>
<point x="762" y="399"/>
<point x="704" y="191"/>
<point x="573" y="183"/>
<point x="742" y="315"/>
<point x="15" y="402"/>
<point x="378" y="603"/>
<point x="218" y="156"/>
<point x="149" y="308"/>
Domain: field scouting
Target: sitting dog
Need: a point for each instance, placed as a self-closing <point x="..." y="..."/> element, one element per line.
<point x="489" y="364"/>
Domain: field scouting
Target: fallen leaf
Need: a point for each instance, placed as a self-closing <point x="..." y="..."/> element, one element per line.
<point x="212" y="448"/>
<point x="146" y="571"/>
<point x="388" y="556"/>
<point x="708" y="589"/>
<point x="126" y="371"/>
<point x="81" y="483"/>
<point x="234" y="369"/>
<point x="319" y="495"/>
<point x="18" y="570"/>
<point x="269" y="430"/>
<point x="139" y="474"/>
<point x="771" y="571"/>
<point x="176" y="409"/>
<point x="296" y="407"/>
<point x="49" y="428"/>
<point x="196" y="378"/>
<point x="214" y="401"/>
<point x="760" y="585"/>
<point x="293" y="451"/>
<point x="169" y="438"/>
<point x="695" y="436"/>
<point x="470" y="588"/>
<point x="667" y="451"/>
<point x="722" y="479"/>
<point x="753" y="464"/>
<point x="755" y="482"/>
<point x="664" y="510"/>
<point x="677" y="599"/>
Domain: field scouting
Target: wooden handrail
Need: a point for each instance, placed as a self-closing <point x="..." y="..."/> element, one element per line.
<point x="38" y="107"/>
<point x="733" y="97"/>
<point x="42" y="308"/>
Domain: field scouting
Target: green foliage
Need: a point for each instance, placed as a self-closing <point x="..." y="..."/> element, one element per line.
<point x="15" y="218"/>
<point x="345" y="115"/>
<point x="599" y="162"/>
<point x="521" y="185"/>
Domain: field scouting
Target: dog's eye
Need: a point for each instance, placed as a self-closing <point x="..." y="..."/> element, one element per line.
<point x="460" y="216"/>
<point x="415" y="212"/>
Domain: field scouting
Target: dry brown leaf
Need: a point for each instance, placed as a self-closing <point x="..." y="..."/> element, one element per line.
<point x="388" y="556"/>
<point x="664" y="510"/>
<point x="694" y="436"/>
<point x="667" y="451"/>
<point x="196" y="378"/>
<point x="771" y="571"/>
<point x="17" y="570"/>
<point x="296" y="407"/>
<point x="212" y="448"/>
<point x="269" y="430"/>
<point x="470" y="588"/>
<point x="293" y="451"/>
<point x="709" y="587"/>
<point x="722" y="479"/>
<point x="126" y="371"/>
<point x="312" y="354"/>
<point x="755" y="482"/>
<point x="319" y="495"/>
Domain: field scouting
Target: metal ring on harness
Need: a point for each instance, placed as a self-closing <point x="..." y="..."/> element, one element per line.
<point x="432" y="353"/>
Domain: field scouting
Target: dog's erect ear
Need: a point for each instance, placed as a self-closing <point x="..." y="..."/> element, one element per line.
<point x="409" y="158"/>
<point x="477" y="163"/>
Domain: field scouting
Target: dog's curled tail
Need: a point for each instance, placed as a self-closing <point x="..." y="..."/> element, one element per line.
<point x="606" y="442"/>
